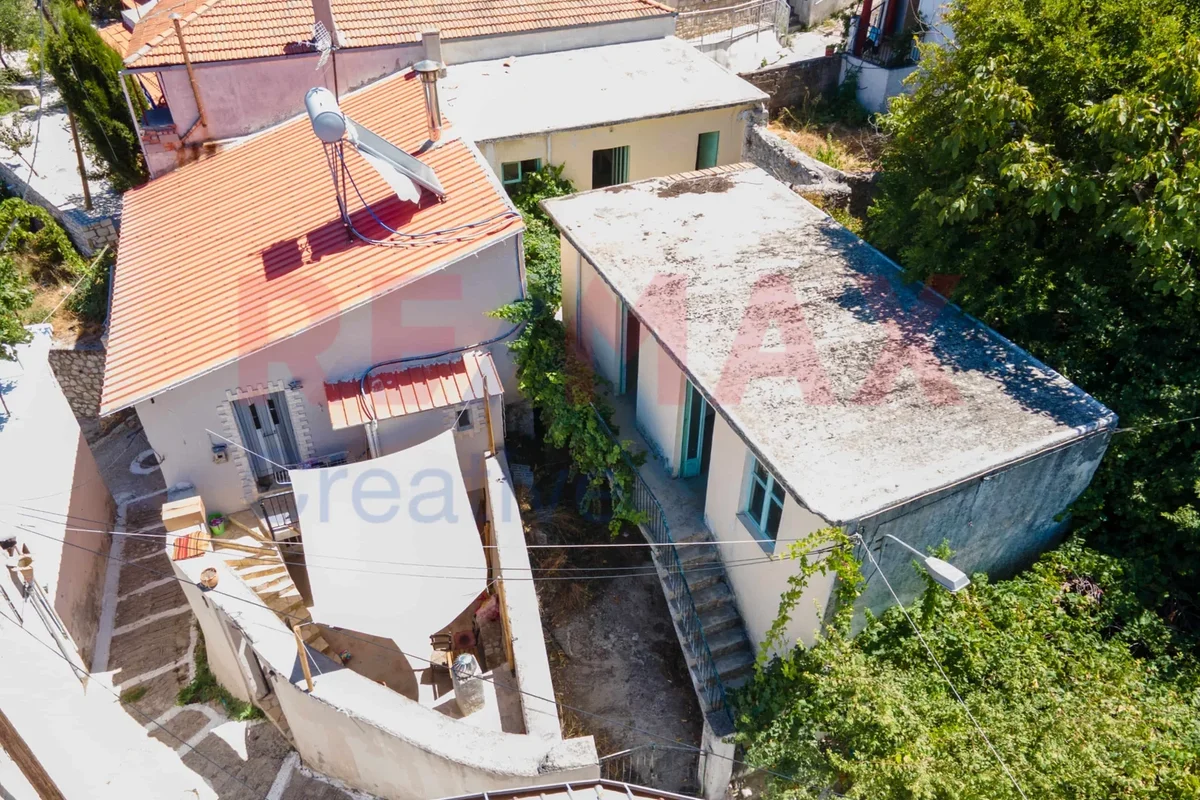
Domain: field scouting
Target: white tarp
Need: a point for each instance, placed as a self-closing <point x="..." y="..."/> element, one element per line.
<point x="391" y="544"/>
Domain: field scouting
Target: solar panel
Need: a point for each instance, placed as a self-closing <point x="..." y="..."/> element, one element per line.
<point x="374" y="147"/>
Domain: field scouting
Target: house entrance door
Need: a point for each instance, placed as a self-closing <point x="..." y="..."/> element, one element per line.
<point x="266" y="430"/>
<point x="697" y="433"/>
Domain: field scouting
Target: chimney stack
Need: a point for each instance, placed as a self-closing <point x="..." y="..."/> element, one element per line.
<point x="428" y="70"/>
<point x="323" y="13"/>
<point x="431" y="41"/>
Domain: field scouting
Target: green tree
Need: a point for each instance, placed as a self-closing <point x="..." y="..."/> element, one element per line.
<point x="86" y="71"/>
<point x="1050" y="159"/>
<point x="17" y="27"/>
<point x="15" y="297"/>
<point x="1081" y="691"/>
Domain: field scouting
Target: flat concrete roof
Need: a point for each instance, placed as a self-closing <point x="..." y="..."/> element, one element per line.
<point x="858" y="391"/>
<point x="529" y="95"/>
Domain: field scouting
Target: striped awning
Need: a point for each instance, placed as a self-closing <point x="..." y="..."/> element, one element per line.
<point x="398" y="392"/>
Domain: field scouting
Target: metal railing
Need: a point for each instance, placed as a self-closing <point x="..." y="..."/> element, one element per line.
<point x="672" y="768"/>
<point x="708" y="25"/>
<point x="687" y="618"/>
<point x="278" y="511"/>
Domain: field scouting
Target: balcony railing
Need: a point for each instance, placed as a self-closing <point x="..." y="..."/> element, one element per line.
<point x="687" y="618"/>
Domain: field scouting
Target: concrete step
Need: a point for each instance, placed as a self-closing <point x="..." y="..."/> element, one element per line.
<point x="275" y="582"/>
<point x="735" y="664"/>
<point x="712" y="596"/>
<point x="719" y="619"/>
<point x="699" y="556"/>
<point x="703" y="577"/>
<point x="737" y="681"/>
<point x="703" y="535"/>
<point x="726" y="641"/>
<point x="247" y="522"/>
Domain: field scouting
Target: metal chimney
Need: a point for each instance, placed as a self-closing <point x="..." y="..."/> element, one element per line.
<point x="428" y="70"/>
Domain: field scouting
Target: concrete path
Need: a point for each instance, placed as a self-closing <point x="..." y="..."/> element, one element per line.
<point x="147" y="641"/>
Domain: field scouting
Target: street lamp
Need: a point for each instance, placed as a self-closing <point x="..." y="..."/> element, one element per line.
<point x="947" y="575"/>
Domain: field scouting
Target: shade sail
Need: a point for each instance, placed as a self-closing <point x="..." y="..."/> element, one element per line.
<point x="391" y="544"/>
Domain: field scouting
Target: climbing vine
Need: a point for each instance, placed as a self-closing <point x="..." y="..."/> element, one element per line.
<point x="559" y="384"/>
<point x="837" y="548"/>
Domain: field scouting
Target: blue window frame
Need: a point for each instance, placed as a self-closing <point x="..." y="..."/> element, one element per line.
<point x="512" y="172"/>
<point x="764" y="501"/>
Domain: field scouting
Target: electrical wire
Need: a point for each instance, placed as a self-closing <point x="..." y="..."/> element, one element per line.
<point x="268" y="555"/>
<point x="392" y="650"/>
<point x="80" y="672"/>
<point x="938" y="664"/>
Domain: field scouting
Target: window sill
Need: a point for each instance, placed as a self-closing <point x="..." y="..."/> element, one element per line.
<point x="765" y="542"/>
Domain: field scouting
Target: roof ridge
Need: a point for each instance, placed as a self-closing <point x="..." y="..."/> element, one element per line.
<point x="161" y="37"/>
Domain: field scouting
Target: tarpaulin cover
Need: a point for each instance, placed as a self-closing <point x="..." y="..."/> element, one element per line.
<point x="391" y="545"/>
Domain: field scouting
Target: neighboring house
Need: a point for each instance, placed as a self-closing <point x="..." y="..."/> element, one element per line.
<point x="785" y="378"/>
<point x="607" y="114"/>
<point x="55" y="506"/>
<point x="247" y="63"/>
<point x="884" y="51"/>
<point x="247" y="310"/>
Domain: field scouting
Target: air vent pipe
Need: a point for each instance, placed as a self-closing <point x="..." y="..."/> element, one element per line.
<point x="428" y="70"/>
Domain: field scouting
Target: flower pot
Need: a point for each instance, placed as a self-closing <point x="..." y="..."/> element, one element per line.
<point x="216" y="524"/>
<point x="830" y="49"/>
<point x="208" y="578"/>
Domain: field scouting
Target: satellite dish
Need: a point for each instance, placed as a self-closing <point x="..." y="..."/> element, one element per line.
<point x="405" y="174"/>
<point x="322" y="42"/>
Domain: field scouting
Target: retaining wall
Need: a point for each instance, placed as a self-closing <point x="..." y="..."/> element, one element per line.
<point x="88" y="230"/>
<point x="79" y="371"/>
<point x="799" y="82"/>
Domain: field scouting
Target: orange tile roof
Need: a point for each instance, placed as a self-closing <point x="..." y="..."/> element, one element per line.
<point x="225" y="256"/>
<point x="225" y="30"/>
<point x="398" y="392"/>
<point x="115" y="36"/>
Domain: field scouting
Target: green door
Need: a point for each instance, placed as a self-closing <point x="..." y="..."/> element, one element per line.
<point x="695" y="409"/>
<point x="706" y="149"/>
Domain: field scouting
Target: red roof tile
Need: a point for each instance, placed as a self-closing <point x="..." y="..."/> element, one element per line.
<point x="395" y="393"/>
<point x="224" y="30"/>
<point x="225" y="256"/>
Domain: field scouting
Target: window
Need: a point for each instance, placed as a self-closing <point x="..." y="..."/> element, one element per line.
<point x="610" y="167"/>
<point x="764" y="501"/>
<point x="465" y="423"/>
<point x="512" y="172"/>
<point x="706" y="149"/>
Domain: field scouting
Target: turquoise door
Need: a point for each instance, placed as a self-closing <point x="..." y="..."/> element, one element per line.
<point x="695" y="409"/>
<point x="706" y="149"/>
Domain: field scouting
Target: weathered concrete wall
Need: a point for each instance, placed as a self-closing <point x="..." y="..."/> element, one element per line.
<point x="807" y="175"/>
<point x="79" y="370"/>
<point x="660" y="385"/>
<point x="998" y="524"/>
<point x="510" y="560"/>
<point x="799" y="82"/>
<point x="591" y="313"/>
<point x="876" y="85"/>
<point x="88" y="230"/>
<point x="361" y="732"/>
<point x="436" y="313"/>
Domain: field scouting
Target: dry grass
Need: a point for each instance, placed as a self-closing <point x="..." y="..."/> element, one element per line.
<point x="849" y="149"/>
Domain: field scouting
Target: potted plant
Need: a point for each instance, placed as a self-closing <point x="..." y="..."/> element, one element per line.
<point x="216" y="524"/>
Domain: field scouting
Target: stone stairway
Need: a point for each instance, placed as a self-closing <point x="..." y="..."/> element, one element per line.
<point x="719" y="617"/>
<point x="257" y="561"/>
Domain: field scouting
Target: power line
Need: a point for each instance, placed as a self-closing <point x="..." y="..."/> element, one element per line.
<point x="938" y="664"/>
<point x="350" y="635"/>
<point x="80" y="671"/>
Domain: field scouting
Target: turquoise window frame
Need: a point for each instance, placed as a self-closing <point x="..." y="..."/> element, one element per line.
<point x="521" y="170"/>
<point x="767" y="494"/>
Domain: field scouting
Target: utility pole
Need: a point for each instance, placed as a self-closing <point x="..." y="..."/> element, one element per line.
<point x="27" y="762"/>
<point x="87" y="192"/>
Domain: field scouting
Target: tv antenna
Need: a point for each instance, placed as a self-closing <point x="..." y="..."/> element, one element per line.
<point x="322" y="42"/>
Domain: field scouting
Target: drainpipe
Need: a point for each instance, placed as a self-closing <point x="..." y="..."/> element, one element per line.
<point x="187" y="62"/>
<point x="373" y="437"/>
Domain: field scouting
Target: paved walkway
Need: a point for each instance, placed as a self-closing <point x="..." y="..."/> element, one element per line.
<point x="148" y="638"/>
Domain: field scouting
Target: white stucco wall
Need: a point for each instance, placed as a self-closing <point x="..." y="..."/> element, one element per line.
<point x="660" y="392"/>
<point x="441" y="311"/>
<point x="876" y="85"/>
<point x="658" y="146"/>
<point x="365" y="734"/>
<point x="758" y="587"/>
<point x="404" y="432"/>
<point x="591" y="314"/>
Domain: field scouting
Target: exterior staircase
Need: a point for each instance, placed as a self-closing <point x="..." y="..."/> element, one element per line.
<point x="256" y="559"/>
<point x="718" y="612"/>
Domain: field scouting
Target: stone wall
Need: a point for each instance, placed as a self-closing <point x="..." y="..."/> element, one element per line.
<point x="806" y="174"/>
<point x="79" y="370"/>
<point x="799" y="82"/>
<point x="88" y="230"/>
